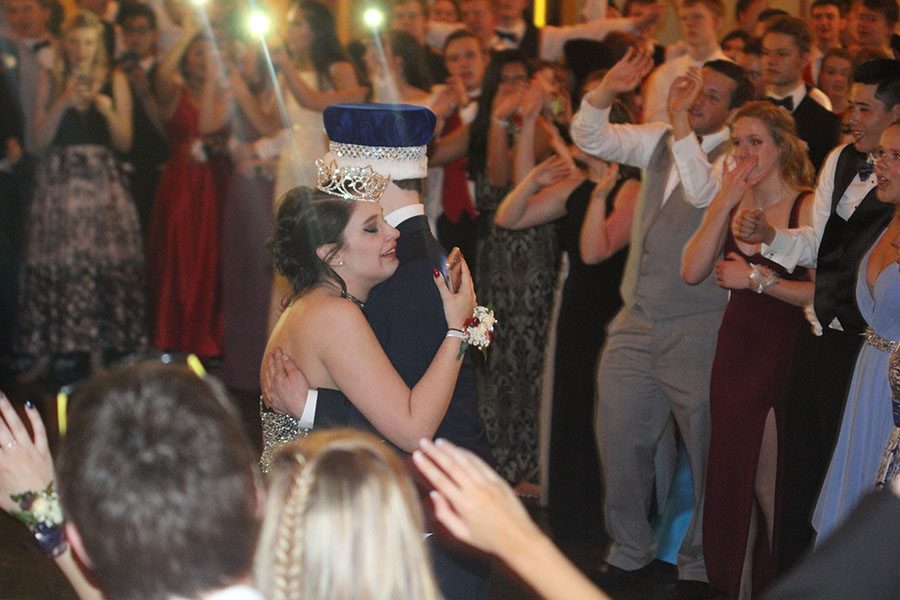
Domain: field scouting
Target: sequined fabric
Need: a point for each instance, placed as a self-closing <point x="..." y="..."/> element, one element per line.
<point x="277" y="430"/>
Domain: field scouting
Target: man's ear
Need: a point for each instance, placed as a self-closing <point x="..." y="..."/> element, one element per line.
<point x="74" y="539"/>
<point x="895" y="112"/>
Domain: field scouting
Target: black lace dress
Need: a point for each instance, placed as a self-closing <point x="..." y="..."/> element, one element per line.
<point x="516" y="276"/>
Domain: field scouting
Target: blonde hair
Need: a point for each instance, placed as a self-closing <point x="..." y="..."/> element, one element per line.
<point x="342" y="521"/>
<point x="81" y="19"/>
<point x="795" y="167"/>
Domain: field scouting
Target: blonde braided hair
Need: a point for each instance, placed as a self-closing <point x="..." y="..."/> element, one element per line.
<point x="342" y="521"/>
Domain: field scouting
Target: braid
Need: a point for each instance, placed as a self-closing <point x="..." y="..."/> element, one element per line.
<point x="288" y="551"/>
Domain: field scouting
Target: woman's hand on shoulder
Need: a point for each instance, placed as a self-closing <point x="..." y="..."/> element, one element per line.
<point x="459" y="305"/>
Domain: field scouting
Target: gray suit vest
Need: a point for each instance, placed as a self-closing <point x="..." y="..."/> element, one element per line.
<point x="652" y="280"/>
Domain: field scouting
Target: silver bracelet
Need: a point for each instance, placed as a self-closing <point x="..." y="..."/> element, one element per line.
<point x="455" y="333"/>
<point x="761" y="278"/>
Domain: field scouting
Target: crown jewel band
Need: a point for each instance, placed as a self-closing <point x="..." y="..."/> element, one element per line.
<point x="377" y="152"/>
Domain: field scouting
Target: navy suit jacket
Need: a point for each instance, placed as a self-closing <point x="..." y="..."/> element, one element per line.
<point x="407" y="316"/>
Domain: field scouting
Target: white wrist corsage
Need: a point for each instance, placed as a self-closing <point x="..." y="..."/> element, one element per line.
<point x="478" y="330"/>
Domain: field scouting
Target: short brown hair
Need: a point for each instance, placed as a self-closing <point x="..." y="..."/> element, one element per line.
<point x="794" y="27"/>
<point x="716" y="7"/>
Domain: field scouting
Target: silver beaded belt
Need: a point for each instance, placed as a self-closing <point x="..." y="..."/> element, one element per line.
<point x="880" y="343"/>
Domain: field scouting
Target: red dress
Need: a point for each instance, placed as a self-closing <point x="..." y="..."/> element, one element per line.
<point x="183" y="245"/>
<point x="749" y="374"/>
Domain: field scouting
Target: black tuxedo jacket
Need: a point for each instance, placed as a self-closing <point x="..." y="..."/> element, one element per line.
<point x="818" y="127"/>
<point x="407" y="316"/>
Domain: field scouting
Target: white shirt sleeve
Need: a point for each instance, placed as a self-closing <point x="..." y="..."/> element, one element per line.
<point x="308" y="418"/>
<point x="700" y="179"/>
<point x="626" y="144"/>
<point x="554" y="38"/>
<point x="792" y="247"/>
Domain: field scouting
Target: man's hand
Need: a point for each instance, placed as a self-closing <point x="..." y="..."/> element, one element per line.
<point x="752" y="227"/>
<point x="284" y="386"/>
<point x="623" y="77"/>
<point x="684" y="92"/>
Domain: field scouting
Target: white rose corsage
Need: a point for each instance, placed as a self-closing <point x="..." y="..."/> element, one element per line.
<point x="478" y="330"/>
<point x="41" y="513"/>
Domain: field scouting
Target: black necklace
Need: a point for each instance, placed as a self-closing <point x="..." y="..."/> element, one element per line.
<point x="353" y="299"/>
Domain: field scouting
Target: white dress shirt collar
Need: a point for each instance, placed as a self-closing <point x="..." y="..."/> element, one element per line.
<point x="404" y="213"/>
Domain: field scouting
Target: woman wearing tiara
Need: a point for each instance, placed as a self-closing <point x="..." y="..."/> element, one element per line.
<point x="333" y="251"/>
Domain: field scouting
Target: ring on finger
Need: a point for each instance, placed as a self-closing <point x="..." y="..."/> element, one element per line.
<point x="10" y="443"/>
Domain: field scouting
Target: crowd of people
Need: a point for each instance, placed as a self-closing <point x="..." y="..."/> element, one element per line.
<point x="689" y="249"/>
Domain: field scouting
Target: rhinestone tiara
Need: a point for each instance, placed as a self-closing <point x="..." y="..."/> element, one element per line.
<point x="350" y="183"/>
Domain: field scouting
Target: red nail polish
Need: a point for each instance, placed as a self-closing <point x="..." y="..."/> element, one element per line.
<point x="436" y="273"/>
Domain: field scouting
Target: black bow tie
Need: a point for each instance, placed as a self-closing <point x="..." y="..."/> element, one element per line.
<point x="506" y="35"/>
<point x="865" y="169"/>
<point x="787" y="102"/>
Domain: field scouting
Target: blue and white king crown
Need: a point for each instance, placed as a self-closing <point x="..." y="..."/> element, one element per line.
<point x="390" y="138"/>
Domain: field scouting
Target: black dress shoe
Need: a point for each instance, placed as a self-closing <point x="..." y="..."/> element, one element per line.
<point x="610" y="577"/>
<point x="688" y="589"/>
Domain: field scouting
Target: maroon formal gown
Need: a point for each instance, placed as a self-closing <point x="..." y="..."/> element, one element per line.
<point x="184" y="240"/>
<point x="749" y="374"/>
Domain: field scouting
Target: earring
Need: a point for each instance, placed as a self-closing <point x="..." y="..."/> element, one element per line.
<point x="340" y="264"/>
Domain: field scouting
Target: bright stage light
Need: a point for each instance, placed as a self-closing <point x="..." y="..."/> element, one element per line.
<point x="259" y="23"/>
<point x="373" y="18"/>
<point x="199" y="2"/>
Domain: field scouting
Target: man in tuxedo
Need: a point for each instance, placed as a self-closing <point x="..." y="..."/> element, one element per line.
<point x="847" y="217"/>
<point x="144" y="160"/>
<point x="786" y="47"/>
<point x="405" y="312"/>
<point x="827" y="20"/>
<point x="656" y="363"/>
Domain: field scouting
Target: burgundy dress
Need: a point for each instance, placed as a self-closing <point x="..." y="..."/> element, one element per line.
<point x="183" y="251"/>
<point x="749" y="374"/>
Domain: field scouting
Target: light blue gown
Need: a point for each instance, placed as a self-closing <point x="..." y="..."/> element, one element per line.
<point x="867" y="422"/>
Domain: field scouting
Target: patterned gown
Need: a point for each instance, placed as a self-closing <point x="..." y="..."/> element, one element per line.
<point x="516" y="275"/>
<point x="83" y="278"/>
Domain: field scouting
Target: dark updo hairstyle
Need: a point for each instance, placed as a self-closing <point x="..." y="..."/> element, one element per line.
<point x="306" y="220"/>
